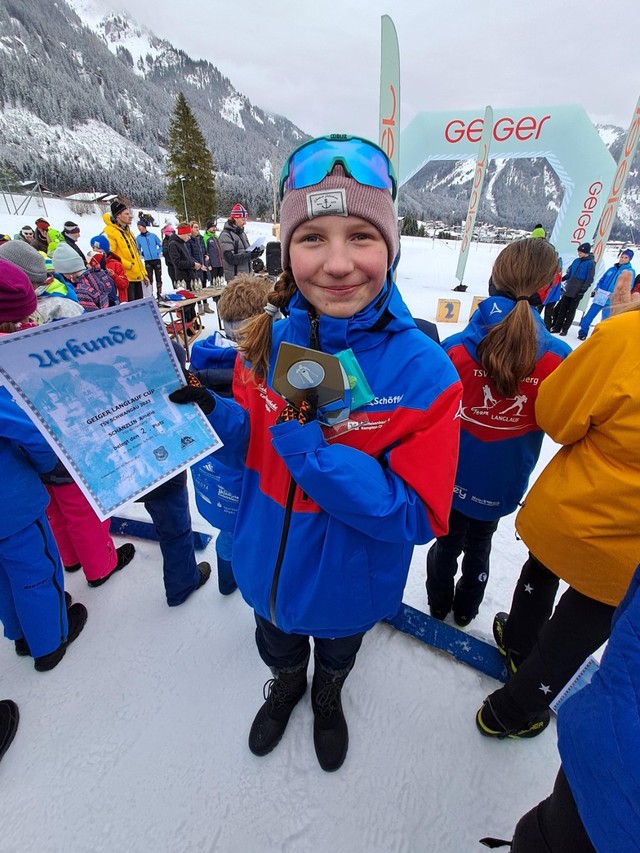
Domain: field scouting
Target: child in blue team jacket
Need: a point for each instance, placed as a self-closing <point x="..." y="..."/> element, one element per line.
<point x="33" y="608"/>
<point x="329" y="515"/>
<point x="217" y="486"/>
<point x="502" y="357"/>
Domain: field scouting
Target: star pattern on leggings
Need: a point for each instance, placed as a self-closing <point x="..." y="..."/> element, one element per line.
<point x="528" y="588"/>
<point x="546" y="689"/>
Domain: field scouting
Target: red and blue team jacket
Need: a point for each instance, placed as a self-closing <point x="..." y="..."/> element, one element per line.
<point x="327" y="519"/>
<point x="499" y="438"/>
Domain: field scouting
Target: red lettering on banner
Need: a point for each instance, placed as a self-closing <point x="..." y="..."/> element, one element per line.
<point x="474" y="131"/>
<point x="616" y="188"/>
<point x="388" y="138"/>
<point x="525" y="128"/>
<point x="585" y="214"/>
<point x="454" y="135"/>
<point x="528" y="127"/>
<point x="473" y="203"/>
<point x="508" y="123"/>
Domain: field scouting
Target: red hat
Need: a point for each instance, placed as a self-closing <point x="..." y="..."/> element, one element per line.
<point x="239" y="212"/>
<point x="185" y="228"/>
<point x="42" y="224"/>
<point x="17" y="296"/>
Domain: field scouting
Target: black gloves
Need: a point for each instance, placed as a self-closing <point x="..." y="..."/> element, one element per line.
<point x="255" y="253"/>
<point x="194" y="392"/>
<point x="304" y="414"/>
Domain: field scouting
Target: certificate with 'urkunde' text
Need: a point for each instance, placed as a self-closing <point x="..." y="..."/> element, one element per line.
<point x="97" y="387"/>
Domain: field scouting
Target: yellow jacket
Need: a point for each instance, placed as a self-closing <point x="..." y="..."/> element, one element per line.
<point x="123" y="244"/>
<point x="582" y="515"/>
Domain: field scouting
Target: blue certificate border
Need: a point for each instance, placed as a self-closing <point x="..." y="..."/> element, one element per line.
<point x="117" y="313"/>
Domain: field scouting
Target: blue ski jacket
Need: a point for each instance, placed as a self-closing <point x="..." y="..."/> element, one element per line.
<point x="149" y="246"/>
<point x="607" y="281"/>
<point x="500" y="439"/>
<point x="217" y="486"/>
<point x="24" y="454"/>
<point x="599" y="737"/>
<point x="329" y="516"/>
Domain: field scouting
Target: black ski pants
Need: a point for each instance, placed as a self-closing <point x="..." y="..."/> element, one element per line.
<point x="546" y="648"/>
<point x="290" y="651"/>
<point x="134" y="291"/>
<point x="155" y="268"/>
<point x="565" y="313"/>
<point x="553" y="826"/>
<point x="474" y="538"/>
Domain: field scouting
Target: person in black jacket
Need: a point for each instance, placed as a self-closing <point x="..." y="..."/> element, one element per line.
<point x="578" y="280"/>
<point x="200" y="258"/>
<point x="179" y="255"/>
<point x="166" y="232"/>
<point x="234" y="245"/>
<point x="71" y="234"/>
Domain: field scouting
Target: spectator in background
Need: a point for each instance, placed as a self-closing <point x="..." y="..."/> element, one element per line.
<point x="621" y="272"/>
<point x="234" y="244"/>
<point x="102" y="258"/>
<point x="41" y="236"/>
<point x="25" y="235"/>
<point x="166" y="232"/>
<point x="577" y="281"/>
<point x="200" y="258"/>
<point x="180" y="257"/>
<point x="538" y="232"/>
<point x="150" y="249"/>
<point x="212" y="246"/>
<point x="4" y="238"/>
<point x="124" y="247"/>
<point x="95" y="287"/>
<point x="71" y="235"/>
<point x="57" y="298"/>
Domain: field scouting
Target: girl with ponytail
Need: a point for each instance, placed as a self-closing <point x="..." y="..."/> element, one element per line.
<point x="329" y="516"/>
<point x="502" y="357"/>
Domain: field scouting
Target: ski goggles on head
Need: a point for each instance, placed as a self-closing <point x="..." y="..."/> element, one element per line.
<point x="361" y="160"/>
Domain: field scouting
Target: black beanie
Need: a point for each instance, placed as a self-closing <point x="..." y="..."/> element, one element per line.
<point x="117" y="207"/>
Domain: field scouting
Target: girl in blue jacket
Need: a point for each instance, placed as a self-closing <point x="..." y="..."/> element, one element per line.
<point x="329" y="514"/>
<point x="502" y="357"/>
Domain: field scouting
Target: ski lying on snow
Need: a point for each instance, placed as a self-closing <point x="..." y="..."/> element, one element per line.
<point x="482" y="656"/>
<point x="144" y="530"/>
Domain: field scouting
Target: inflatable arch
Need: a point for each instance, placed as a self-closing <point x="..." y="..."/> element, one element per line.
<point x="564" y="135"/>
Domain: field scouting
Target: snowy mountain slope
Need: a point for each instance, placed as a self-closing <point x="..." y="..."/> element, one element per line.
<point x="106" y="69"/>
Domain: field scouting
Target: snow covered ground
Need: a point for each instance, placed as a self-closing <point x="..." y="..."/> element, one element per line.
<point x="137" y="740"/>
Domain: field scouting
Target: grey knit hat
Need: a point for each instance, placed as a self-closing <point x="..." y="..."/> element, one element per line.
<point x="338" y="195"/>
<point x="67" y="260"/>
<point x="27" y="258"/>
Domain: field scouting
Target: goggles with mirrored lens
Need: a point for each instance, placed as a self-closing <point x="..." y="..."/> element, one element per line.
<point x="361" y="160"/>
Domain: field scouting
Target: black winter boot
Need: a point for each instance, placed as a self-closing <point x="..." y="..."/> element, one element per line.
<point x="283" y="692"/>
<point x="330" y="732"/>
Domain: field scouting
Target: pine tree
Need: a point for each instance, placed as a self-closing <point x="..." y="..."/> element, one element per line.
<point x="191" y="166"/>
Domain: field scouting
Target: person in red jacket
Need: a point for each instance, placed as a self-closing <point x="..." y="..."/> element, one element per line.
<point x="103" y="258"/>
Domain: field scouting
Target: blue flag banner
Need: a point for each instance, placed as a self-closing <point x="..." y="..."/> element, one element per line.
<point x="97" y="388"/>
